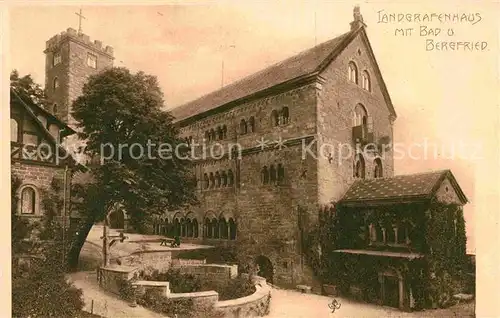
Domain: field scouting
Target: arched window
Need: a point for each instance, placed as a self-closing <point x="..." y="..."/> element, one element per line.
<point x="207" y="228"/>
<point x="212" y="134"/>
<point x="284" y="116"/>
<point x="207" y="136"/>
<point x="230" y="178"/>
<point x="195" y="228"/>
<point x="183" y="227"/>
<point x="281" y="173"/>
<point x="390" y="235"/>
<point x="373" y="233"/>
<point x="224" y="178"/>
<point x="378" y="171"/>
<point x="360" y="116"/>
<point x="217" y="179"/>
<point x="206" y="181"/>
<point x="55" y="83"/>
<point x="379" y="233"/>
<point x="265" y="175"/>
<point x="232" y="229"/>
<point x="220" y="134"/>
<point x="212" y="180"/>
<point x="176" y="227"/>
<point x="28" y="200"/>
<point x="189" y="228"/>
<point x="353" y="73"/>
<point x="224" y="132"/>
<point x="165" y="228"/>
<point x="251" y="124"/>
<point x="274" y="118"/>
<point x="14" y="130"/>
<point x="224" y="230"/>
<point x="402" y="234"/>
<point x="215" y="228"/>
<point x="54" y="109"/>
<point x="359" y="167"/>
<point x="272" y="174"/>
<point x="243" y="127"/>
<point x="366" y="81"/>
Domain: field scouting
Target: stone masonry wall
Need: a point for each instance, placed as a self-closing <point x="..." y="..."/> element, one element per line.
<point x="266" y="215"/>
<point x="73" y="71"/>
<point x="40" y="177"/>
<point x="336" y="101"/>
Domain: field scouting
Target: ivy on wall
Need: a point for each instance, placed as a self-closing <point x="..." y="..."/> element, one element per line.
<point x="436" y="229"/>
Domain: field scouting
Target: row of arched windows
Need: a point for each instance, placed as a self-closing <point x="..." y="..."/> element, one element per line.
<point x="273" y="174"/>
<point x="219" y="228"/>
<point x="280" y="117"/>
<point x="353" y="76"/>
<point x="247" y="126"/>
<point x="189" y="228"/>
<point x="397" y="234"/>
<point x="179" y="227"/>
<point x="218" y="179"/>
<point x="220" y="133"/>
<point x="359" y="167"/>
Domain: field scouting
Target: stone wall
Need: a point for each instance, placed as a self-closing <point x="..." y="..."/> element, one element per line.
<point x="337" y="98"/>
<point x="148" y="260"/>
<point x="211" y="272"/>
<point x="110" y="277"/>
<point x="255" y="305"/>
<point x="142" y="286"/>
<point x="73" y="71"/>
<point x="39" y="177"/>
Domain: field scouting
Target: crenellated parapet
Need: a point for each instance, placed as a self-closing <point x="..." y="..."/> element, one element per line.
<point x="72" y="34"/>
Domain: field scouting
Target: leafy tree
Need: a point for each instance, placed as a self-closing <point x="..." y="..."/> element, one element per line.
<point x="120" y="110"/>
<point x="27" y="87"/>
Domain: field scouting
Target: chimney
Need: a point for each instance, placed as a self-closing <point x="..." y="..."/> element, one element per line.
<point x="358" y="19"/>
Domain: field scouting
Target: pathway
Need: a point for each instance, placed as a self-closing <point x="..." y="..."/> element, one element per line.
<point x="106" y="304"/>
<point x="292" y="304"/>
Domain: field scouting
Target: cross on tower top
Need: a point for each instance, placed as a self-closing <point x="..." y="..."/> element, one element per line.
<point x="80" y="17"/>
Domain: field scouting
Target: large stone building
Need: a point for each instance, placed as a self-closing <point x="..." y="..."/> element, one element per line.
<point x="270" y="150"/>
<point x="310" y="107"/>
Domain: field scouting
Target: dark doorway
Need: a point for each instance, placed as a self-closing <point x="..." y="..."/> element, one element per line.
<point x="117" y="220"/>
<point x="265" y="268"/>
<point x="391" y="291"/>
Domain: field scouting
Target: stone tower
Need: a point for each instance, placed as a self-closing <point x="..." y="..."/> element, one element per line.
<point x="70" y="58"/>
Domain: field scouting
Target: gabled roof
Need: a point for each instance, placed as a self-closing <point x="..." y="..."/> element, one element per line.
<point x="30" y="107"/>
<point x="403" y="187"/>
<point x="27" y="102"/>
<point x="307" y="63"/>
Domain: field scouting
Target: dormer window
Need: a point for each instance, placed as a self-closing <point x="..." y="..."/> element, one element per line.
<point x="353" y="73"/>
<point x="56" y="59"/>
<point x="92" y="60"/>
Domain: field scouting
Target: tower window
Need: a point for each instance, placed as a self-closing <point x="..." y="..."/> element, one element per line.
<point x="56" y="59"/>
<point x="54" y="109"/>
<point x="92" y="60"/>
<point x="55" y="83"/>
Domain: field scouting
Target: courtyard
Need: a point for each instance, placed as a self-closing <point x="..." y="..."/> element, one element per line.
<point x="284" y="303"/>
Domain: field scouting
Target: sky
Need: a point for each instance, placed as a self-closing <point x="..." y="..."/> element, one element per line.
<point x="446" y="98"/>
